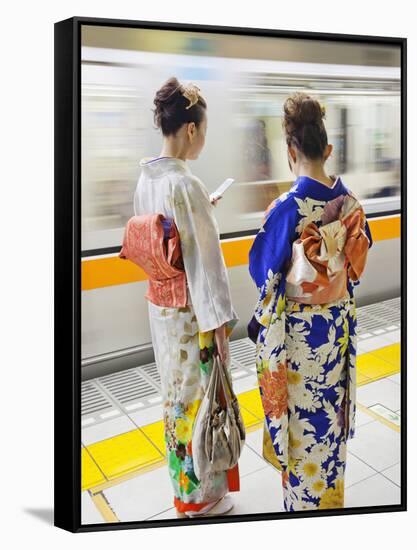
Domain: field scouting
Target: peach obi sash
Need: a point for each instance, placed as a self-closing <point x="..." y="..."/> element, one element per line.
<point x="323" y="257"/>
<point x="159" y="256"/>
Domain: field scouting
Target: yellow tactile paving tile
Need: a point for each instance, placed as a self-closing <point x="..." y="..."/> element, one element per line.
<point x="123" y="453"/>
<point x="251" y="400"/>
<point x="155" y="432"/>
<point x="391" y="354"/>
<point x="90" y="473"/>
<point x="361" y="378"/>
<point x="371" y="366"/>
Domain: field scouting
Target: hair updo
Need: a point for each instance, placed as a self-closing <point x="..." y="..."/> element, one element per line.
<point x="303" y="125"/>
<point x="170" y="111"/>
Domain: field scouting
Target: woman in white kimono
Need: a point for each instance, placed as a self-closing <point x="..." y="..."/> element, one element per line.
<point x="184" y="339"/>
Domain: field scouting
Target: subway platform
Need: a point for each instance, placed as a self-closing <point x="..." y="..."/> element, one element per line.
<point x="124" y="472"/>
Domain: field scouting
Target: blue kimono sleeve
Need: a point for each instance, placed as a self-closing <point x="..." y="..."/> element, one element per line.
<point x="270" y="256"/>
<point x="352" y="284"/>
<point x="368" y="233"/>
<point x="272" y="247"/>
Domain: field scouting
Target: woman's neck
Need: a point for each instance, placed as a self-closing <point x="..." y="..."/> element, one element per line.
<point x="171" y="155"/>
<point x="172" y="149"/>
<point x="315" y="172"/>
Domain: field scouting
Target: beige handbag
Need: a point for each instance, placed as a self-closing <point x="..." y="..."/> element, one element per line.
<point x="218" y="433"/>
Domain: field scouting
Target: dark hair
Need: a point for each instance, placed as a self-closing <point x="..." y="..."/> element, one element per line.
<point x="170" y="111"/>
<point x="303" y="125"/>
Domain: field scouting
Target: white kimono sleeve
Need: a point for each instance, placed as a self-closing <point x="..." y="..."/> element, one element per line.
<point x="136" y="206"/>
<point x="206" y="272"/>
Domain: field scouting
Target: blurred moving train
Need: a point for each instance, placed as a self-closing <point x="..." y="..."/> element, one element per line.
<point x="244" y="141"/>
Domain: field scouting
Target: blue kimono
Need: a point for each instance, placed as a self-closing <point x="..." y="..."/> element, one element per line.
<point x="305" y="261"/>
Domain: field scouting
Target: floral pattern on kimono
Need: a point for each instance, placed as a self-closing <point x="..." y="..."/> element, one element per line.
<point x="184" y="357"/>
<point x="305" y="356"/>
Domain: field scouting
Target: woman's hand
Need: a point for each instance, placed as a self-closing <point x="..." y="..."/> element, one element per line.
<point x="215" y="199"/>
<point x="220" y="339"/>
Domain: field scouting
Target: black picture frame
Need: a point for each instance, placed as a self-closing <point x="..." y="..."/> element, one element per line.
<point x="67" y="249"/>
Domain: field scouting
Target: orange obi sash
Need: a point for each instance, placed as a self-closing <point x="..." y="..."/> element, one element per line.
<point x="324" y="256"/>
<point x="159" y="255"/>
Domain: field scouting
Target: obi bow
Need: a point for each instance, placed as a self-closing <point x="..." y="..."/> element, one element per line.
<point x="321" y="254"/>
<point x="152" y="242"/>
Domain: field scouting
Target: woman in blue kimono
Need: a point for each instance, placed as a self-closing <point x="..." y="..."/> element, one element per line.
<point x="305" y="261"/>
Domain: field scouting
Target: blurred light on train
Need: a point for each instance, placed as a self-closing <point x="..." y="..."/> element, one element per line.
<point x="244" y="139"/>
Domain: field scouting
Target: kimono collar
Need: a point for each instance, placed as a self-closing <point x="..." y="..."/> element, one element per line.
<point x="161" y="165"/>
<point x="315" y="189"/>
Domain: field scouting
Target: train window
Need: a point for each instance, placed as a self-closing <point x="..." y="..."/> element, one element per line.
<point x="113" y="131"/>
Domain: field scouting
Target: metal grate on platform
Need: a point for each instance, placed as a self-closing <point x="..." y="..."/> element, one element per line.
<point x="129" y="388"/>
<point x="375" y="319"/>
<point x="95" y="404"/>
<point x="151" y="372"/>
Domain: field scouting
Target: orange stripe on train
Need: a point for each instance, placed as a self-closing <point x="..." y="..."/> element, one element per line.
<point x="102" y="272"/>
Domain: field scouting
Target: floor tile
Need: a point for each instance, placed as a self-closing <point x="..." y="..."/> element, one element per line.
<point x="388" y="414"/>
<point x="356" y="470"/>
<point x="260" y="492"/>
<point x="393" y="473"/>
<point x="362" y="418"/>
<point x="249" y="465"/>
<point x="375" y="342"/>
<point x="391" y="354"/>
<point x="104" y="430"/>
<point x="251" y="401"/>
<point x="166" y="514"/>
<point x="248" y="418"/>
<point x="141" y="497"/>
<point x="394" y="336"/>
<point x="245" y="384"/>
<point x="382" y="391"/>
<point x="395" y="378"/>
<point x="89" y="512"/>
<point x="361" y="378"/>
<point x="360" y="347"/>
<point x="147" y="416"/>
<point x="155" y="432"/>
<point x="373" y="491"/>
<point x="124" y="453"/>
<point x="250" y="461"/>
<point x="90" y="472"/>
<point x="255" y="440"/>
<point x="377" y="445"/>
<point x="374" y="367"/>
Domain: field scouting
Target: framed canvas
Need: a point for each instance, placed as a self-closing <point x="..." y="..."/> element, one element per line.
<point x="232" y="354"/>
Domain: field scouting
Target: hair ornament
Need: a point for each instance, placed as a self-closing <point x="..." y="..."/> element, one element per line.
<point x="192" y="93"/>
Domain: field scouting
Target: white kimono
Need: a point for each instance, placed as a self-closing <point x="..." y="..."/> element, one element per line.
<point x="167" y="186"/>
<point x="183" y="338"/>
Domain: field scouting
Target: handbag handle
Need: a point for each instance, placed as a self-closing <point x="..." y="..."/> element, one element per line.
<point x="213" y="383"/>
<point x="228" y="390"/>
<point x="230" y="397"/>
